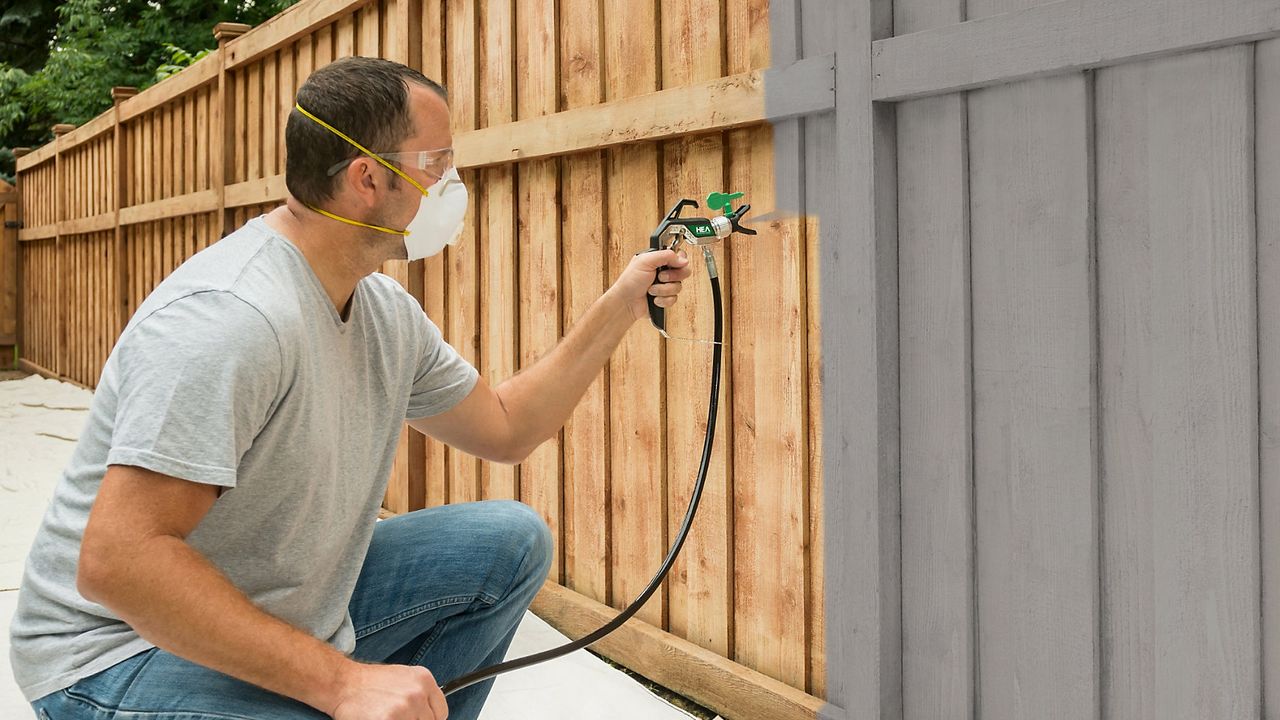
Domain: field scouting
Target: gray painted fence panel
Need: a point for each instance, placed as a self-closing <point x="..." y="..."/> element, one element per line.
<point x="1088" y="339"/>
<point x="1034" y="454"/>
<point x="937" y="460"/>
<point x="1267" y="82"/>
<point x="1178" y="385"/>
<point x="936" y="395"/>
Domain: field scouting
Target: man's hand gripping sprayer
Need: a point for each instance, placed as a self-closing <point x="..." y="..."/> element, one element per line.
<point x="699" y="232"/>
<point x="674" y="231"/>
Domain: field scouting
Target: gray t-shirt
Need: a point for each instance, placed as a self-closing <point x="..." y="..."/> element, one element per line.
<point x="237" y="371"/>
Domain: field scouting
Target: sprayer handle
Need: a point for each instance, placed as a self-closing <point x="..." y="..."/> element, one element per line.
<point x="657" y="315"/>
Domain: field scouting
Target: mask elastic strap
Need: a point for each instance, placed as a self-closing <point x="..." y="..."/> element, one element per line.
<point x="362" y="149"/>
<point x="349" y="221"/>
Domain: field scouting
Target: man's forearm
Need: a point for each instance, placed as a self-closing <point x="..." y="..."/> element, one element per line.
<point x="540" y="398"/>
<point x="180" y="602"/>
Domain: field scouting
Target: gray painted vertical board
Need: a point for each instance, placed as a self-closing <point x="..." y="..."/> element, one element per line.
<point x="1033" y="356"/>
<point x="1034" y="385"/>
<point x="1268" y="209"/>
<point x="856" y="209"/>
<point x="1178" y="387"/>
<point x="936" y="394"/>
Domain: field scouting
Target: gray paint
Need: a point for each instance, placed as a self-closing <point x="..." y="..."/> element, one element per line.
<point x="1051" y="357"/>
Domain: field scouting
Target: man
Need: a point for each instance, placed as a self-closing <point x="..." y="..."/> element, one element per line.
<point x="211" y="550"/>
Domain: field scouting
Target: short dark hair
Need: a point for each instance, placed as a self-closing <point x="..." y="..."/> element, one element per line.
<point x="365" y="98"/>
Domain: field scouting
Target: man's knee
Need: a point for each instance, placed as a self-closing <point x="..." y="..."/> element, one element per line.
<point x="529" y="532"/>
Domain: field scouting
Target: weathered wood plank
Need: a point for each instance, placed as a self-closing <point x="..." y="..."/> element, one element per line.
<point x="700" y="584"/>
<point x="587" y="547"/>
<point x="1032" y="40"/>
<point x="204" y="71"/>
<point x="937" y="394"/>
<point x="1035" y="461"/>
<point x="498" y="290"/>
<point x="712" y="105"/>
<point x="727" y="687"/>
<point x="538" y="255"/>
<point x="637" y="446"/>
<point x="1267" y="118"/>
<point x="197" y="202"/>
<point x="770" y="474"/>
<point x="293" y="23"/>
<point x="1177" y="286"/>
<point x="433" y="269"/>
<point x="462" y="323"/>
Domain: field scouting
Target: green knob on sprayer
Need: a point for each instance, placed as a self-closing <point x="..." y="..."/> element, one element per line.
<point x="722" y="201"/>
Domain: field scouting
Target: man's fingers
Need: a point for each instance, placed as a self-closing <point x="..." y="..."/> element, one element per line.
<point x="676" y="274"/>
<point x="438" y="705"/>
<point x="665" y="290"/>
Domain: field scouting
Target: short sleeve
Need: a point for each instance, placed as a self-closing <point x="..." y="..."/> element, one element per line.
<point x="195" y="383"/>
<point x="443" y="377"/>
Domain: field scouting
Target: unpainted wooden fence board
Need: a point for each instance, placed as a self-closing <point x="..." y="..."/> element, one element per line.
<point x="770" y="453"/>
<point x="700" y="584"/>
<point x="1178" y="386"/>
<point x="538" y="250"/>
<point x="497" y="247"/>
<point x="587" y="531"/>
<point x="637" y="447"/>
<point x="462" y="325"/>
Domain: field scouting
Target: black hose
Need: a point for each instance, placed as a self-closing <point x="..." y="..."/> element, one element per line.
<point x="713" y="406"/>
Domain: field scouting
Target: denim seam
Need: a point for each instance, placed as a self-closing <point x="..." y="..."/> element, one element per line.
<point x="431" y="639"/>
<point x="117" y="712"/>
<point x="69" y="692"/>
<point x="419" y="609"/>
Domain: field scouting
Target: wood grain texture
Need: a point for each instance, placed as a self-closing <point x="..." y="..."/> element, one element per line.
<point x="770" y="455"/>
<point x="1034" y="39"/>
<point x="433" y="269"/>
<point x="938" y="650"/>
<point x="538" y="255"/>
<point x="637" y="443"/>
<point x="1035" y="459"/>
<point x="1179" y="387"/>
<point x="587" y="527"/>
<point x="701" y="582"/>
<point x="462" y="320"/>
<point x="1267" y="129"/>
<point x="937" y="404"/>
<point x="498" y="250"/>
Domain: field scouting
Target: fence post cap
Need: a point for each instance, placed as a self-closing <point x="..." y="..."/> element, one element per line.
<point x="19" y="152"/>
<point x="63" y="128"/>
<point x="226" y="31"/>
<point x="123" y="92"/>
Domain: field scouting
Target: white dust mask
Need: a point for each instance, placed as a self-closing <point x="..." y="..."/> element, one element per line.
<point x="439" y="219"/>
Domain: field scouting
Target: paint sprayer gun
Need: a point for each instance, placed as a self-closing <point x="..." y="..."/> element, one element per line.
<point x="700" y="232"/>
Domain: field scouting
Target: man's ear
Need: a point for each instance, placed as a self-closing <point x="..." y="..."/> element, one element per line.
<point x="360" y="176"/>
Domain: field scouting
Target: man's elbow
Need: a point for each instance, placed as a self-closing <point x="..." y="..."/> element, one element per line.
<point x="516" y="453"/>
<point x="91" y="574"/>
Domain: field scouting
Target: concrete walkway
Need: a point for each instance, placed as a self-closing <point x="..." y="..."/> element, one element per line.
<point x="40" y="421"/>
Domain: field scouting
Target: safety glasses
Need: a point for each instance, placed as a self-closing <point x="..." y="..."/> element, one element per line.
<point x="434" y="163"/>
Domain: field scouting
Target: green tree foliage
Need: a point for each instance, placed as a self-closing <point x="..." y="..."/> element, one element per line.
<point x="59" y="61"/>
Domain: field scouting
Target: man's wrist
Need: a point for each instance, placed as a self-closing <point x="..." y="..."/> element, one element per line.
<point x="617" y="309"/>
<point x="336" y="677"/>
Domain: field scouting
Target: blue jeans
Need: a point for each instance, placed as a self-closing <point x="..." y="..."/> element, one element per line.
<point x="444" y="587"/>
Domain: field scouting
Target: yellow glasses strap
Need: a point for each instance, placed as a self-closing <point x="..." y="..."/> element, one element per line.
<point x="362" y="149"/>
<point x="349" y="221"/>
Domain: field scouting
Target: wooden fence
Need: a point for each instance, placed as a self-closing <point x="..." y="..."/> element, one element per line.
<point x="8" y="274"/>
<point x="577" y="123"/>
